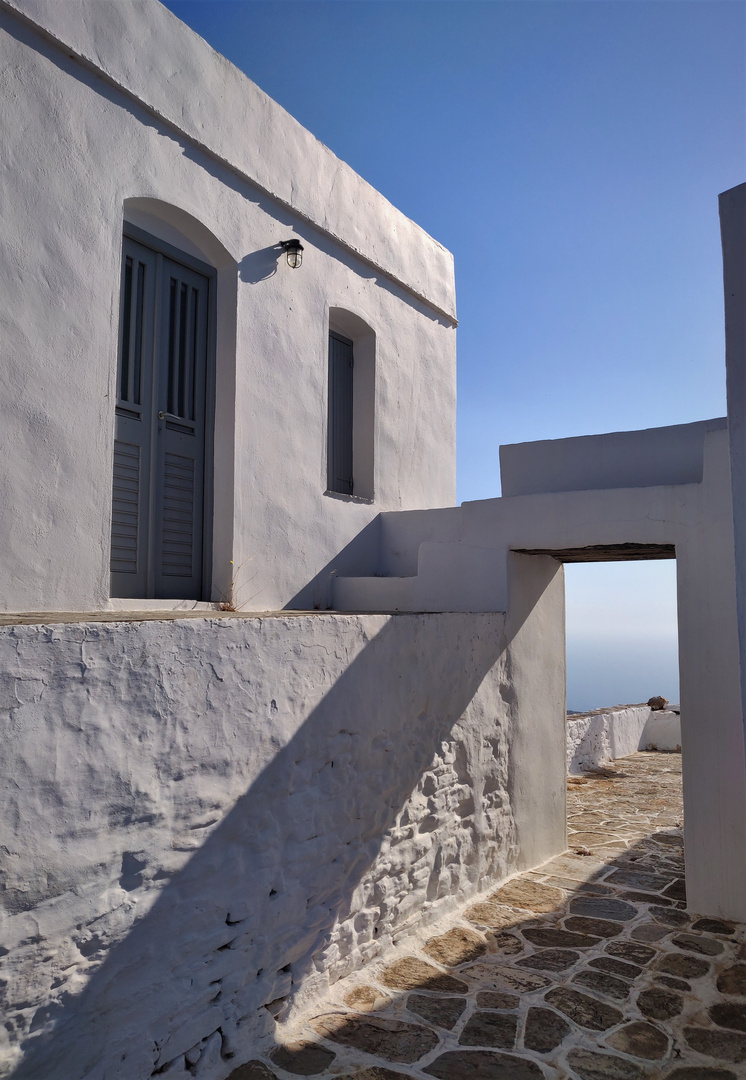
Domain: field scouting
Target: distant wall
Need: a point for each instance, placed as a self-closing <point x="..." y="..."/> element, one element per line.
<point x="206" y="817"/>
<point x="606" y="734"/>
<point x="662" y="731"/>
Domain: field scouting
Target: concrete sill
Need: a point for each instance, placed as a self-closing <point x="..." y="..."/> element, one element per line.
<point x="341" y="497"/>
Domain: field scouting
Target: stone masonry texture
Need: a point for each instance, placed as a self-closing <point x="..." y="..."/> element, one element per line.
<point x="647" y="990"/>
<point x="206" y="819"/>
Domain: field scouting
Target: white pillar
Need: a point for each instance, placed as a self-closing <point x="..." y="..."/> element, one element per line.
<point x="733" y="232"/>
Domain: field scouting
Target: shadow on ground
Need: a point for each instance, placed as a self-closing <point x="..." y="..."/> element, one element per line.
<point x="589" y="967"/>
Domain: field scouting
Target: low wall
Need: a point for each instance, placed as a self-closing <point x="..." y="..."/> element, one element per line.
<point x="662" y="731"/>
<point x="209" y="820"/>
<point x="606" y="734"/>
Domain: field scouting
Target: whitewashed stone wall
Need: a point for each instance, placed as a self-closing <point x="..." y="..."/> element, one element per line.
<point x="210" y="819"/>
<point x="601" y="736"/>
<point x="662" y="731"/>
<point x="606" y="734"/>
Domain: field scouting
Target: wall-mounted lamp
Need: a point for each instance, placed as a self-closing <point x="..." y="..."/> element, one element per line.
<point x="293" y="249"/>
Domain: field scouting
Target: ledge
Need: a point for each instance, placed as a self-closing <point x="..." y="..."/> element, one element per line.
<point x="50" y="618"/>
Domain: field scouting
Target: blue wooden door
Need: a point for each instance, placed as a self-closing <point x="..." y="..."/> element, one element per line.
<point x="159" y="447"/>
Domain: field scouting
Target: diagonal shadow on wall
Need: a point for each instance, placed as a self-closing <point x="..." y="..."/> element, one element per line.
<point x="249" y="916"/>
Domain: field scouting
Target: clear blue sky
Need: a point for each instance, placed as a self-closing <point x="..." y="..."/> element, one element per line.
<point x="570" y="154"/>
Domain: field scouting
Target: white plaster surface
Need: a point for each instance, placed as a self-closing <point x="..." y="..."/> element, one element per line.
<point x="206" y="817"/>
<point x="85" y="144"/>
<point x="593" y="739"/>
<point x="662" y="731"/>
<point x="733" y="235"/>
<point x="655" y="457"/>
<point x="203" y="815"/>
<point x="147" y="53"/>
<point x="462" y="558"/>
<point x="602" y="736"/>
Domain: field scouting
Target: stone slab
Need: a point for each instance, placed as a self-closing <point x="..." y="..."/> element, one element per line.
<point x="457" y="946"/>
<point x="393" y="1040"/>
<point x="640" y="1040"/>
<point x="302" y="1059"/>
<point x="659" y="1004"/>
<point x="632" y="951"/>
<point x="733" y="980"/>
<point x="441" y="1011"/>
<point x="509" y="979"/>
<point x="683" y="967"/>
<point x="726" y="1045"/>
<point x="704" y="946"/>
<point x="252" y="1070"/>
<point x="596" y="927"/>
<point x="545" y="1030"/>
<point x="366" y="999"/>
<point x="584" y="1010"/>
<point x="483" y="1065"/>
<point x="729" y="1014"/>
<point x="616" y="967"/>
<point x="603" y="908"/>
<point x="550" y="960"/>
<point x="590" y="1065"/>
<point x="490" y="1029"/>
<point x="559" y="939"/>
<point x="600" y="982"/>
<point x="529" y="895"/>
<point x="409" y="973"/>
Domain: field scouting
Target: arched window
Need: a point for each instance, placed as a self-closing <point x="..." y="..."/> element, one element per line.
<point x="351" y="411"/>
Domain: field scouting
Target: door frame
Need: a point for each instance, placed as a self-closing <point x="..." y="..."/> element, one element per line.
<point x="162" y="247"/>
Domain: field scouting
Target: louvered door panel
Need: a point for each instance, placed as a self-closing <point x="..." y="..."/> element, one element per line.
<point x="125" y="517"/>
<point x="339" y="454"/>
<point x="181" y="433"/>
<point x="177" y="540"/>
<point x="130" y="519"/>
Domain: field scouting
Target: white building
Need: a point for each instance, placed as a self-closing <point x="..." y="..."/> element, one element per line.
<point x="209" y="815"/>
<point x="170" y="149"/>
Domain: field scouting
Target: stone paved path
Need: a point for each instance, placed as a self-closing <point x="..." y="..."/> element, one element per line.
<point x="588" y="968"/>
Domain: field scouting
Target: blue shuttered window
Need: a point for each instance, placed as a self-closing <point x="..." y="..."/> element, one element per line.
<point x="339" y="456"/>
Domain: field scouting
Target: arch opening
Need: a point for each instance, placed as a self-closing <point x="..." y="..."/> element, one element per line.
<point x="351" y="414"/>
<point x="169" y="244"/>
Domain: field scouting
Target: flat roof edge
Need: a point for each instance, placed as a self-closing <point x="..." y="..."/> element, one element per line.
<point x="155" y="59"/>
<point x="650" y="457"/>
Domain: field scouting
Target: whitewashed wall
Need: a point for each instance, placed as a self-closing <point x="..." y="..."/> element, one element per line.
<point x="118" y="110"/>
<point x="459" y="558"/>
<point x="604" y="735"/>
<point x="596" y="738"/>
<point x="203" y="816"/>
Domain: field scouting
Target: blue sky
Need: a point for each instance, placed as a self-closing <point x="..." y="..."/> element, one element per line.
<point x="570" y="154"/>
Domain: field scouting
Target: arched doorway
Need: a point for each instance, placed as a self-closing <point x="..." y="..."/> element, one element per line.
<point x="159" y="535"/>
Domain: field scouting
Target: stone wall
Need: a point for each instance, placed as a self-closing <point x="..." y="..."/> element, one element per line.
<point x="208" y="820"/>
<point x="595" y="738"/>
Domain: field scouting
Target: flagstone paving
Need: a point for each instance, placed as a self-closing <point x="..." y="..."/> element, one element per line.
<point x="588" y="968"/>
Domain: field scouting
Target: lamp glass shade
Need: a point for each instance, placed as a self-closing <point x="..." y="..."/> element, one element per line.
<point x="293" y="250"/>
